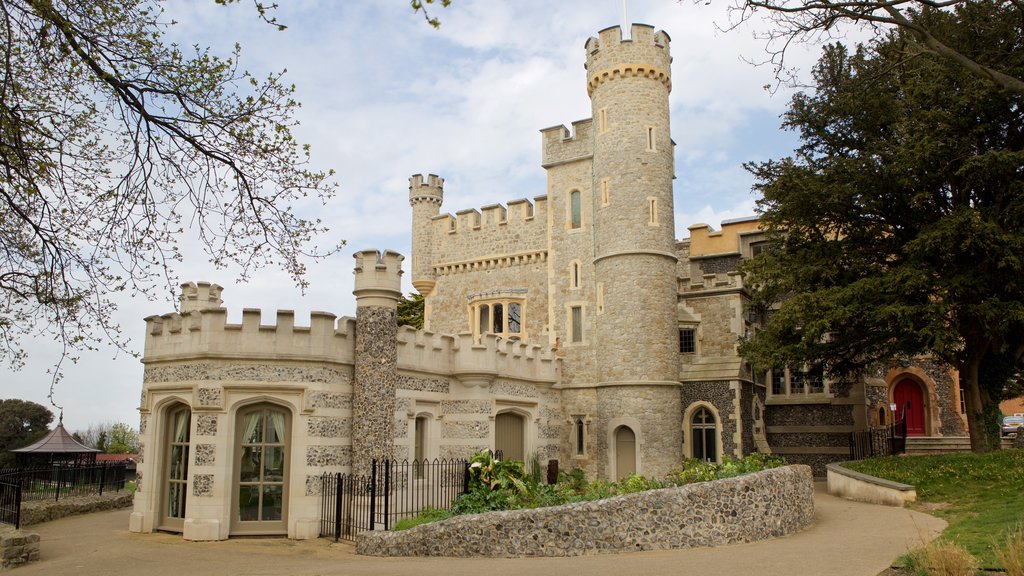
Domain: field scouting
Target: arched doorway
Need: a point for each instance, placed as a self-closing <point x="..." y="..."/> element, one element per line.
<point x="261" y="474"/>
<point x="174" y="489"/>
<point x="704" y="436"/>
<point x="625" y="452"/>
<point x="909" y="400"/>
<point x="509" y="435"/>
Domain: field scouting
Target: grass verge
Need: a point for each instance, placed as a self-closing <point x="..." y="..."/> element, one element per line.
<point x="980" y="495"/>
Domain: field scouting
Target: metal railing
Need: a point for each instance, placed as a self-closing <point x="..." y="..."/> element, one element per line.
<point x="10" y="504"/>
<point x="393" y="490"/>
<point x="882" y="441"/>
<point x="56" y="482"/>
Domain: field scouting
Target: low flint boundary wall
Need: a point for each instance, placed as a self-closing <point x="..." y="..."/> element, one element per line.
<point x="747" y="508"/>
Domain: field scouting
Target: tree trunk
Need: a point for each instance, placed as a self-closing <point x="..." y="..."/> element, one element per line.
<point x="984" y="435"/>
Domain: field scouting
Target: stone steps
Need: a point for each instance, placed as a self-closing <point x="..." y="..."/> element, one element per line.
<point x="943" y="444"/>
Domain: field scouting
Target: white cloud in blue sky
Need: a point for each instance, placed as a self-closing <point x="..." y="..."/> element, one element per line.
<point x="385" y="96"/>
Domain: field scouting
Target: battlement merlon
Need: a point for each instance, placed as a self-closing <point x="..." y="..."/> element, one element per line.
<point x="429" y="191"/>
<point x="378" y="279"/>
<point x="206" y="334"/>
<point x="560" y="146"/>
<point x="645" y="54"/>
<point x="199" y="296"/>
<point x="468" y="360"/>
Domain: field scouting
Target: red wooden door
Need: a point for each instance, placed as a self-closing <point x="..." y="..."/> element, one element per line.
<point x="910" y="404"/>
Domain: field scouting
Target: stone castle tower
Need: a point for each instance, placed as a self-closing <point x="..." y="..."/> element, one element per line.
<point x="589" y="268"/>
<point x="628" y="81"/>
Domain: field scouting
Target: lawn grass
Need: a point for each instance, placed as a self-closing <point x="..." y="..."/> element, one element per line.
<point x="980" y="495"/>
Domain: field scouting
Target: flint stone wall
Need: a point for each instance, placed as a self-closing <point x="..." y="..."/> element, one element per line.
<point x="757" y="506"/>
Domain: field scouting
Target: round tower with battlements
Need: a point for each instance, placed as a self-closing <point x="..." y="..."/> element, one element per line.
<point x="425" y="197"/>
<point x="636" y="333"/>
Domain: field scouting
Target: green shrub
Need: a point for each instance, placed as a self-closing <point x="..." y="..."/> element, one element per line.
<point x="426" y="516"/>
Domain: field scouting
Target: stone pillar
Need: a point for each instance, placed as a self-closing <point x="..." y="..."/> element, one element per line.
<point x="378" y="287"/>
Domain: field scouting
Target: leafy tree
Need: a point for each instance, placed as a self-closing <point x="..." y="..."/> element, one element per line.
<point x="115" y="144"/>
<point x="814" y="20"/>
<point x="123" y="439"/>
<point x="410" y="311"/>
<point x="898" y="227"/>
<point x="21" y="423"/>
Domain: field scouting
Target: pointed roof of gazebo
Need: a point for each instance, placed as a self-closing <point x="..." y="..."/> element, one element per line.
<point x="57" y="441"/>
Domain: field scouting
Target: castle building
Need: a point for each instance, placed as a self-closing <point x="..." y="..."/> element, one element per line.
<point x="570" y="327"/>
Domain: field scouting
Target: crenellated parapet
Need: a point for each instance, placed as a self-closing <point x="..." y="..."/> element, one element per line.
<point x="490" y="233"/>
<point x="562" y="146"/>
<point x="429" y="190"/>
<point x="476" y="363"/>
<point x="206" y="334"/>
<point x="199" y="296"/>
<point x="645" y="54"/>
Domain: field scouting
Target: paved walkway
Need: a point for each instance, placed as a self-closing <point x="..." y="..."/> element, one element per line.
<point x="847" y="538"/>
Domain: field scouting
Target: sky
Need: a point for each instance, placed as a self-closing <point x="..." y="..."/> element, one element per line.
<point x="385" y="96"/>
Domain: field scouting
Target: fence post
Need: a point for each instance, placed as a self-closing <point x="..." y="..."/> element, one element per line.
<point x="387" y="494"/>
<point x="103" y="477"/>
<point x="373" y="492"/>
<point x="338" y="491"/>
<point x="465" y="476"/>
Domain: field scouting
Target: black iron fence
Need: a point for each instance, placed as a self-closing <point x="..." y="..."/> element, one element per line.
<point x="393" y="490"/>
<point x="883" y="441"/>
<point x="10" y="504"/>
<point x="56" y="482"/>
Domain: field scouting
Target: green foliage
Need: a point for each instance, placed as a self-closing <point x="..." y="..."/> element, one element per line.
<point x="897" y="227"/>
<point x="421" y="6"/>
<point x="426" y="516"/>
<point x="694" y="470"/>
<point x="118" y="144"/>
<point x="21" y="423"/>
<point x="503" y="485"/>
<point x="978" y="494"/>
<point x="123" y="439"/>
<point x="410" y="311"/>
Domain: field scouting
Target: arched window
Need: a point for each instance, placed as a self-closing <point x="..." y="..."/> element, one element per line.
<point x="575" y="209"/>
<point x="261" y="478"/>
<point x="419" y="446"/>
<point x="704" y="436"/>
<point x="579" y="430"/>
<point x="175" y="476"/>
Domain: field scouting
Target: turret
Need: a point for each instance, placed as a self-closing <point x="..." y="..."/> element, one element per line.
<point x="425" y="197"/>
<point x="378" y="287"/>
<point x="199" y="296"/>
<point x="634" y="242"/>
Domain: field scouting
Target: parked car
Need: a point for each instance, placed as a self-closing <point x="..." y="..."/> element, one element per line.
<point x="1011" y="424"/>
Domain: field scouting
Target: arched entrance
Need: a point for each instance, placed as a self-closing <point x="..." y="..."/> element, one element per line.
<point x="509" y="435"/>
<point x="625" y="452"/>
<point x="909" y="400"/>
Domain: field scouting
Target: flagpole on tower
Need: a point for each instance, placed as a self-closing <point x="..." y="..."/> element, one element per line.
<point x="625" y="19"/>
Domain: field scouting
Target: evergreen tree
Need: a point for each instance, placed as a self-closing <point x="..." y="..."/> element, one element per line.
<point x="898" y="227"/>
<point x="410" y="311"/>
